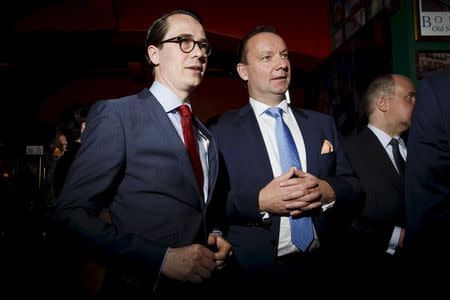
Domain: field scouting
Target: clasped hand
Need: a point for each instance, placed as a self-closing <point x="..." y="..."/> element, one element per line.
<point x="292" y="193"/>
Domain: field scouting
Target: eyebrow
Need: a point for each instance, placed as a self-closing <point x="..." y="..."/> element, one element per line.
<point x="192" y="37"/>
<point x="272" y="51"/>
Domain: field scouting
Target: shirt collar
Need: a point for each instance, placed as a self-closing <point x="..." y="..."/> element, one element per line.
<point x="168" y="100"/>
<point x="385" y="138"/>
<point x="259" y="108"/>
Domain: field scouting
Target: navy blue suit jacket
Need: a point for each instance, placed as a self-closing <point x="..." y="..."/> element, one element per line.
<point x="427" y="181"/>
<point x="131" y="148"/>
<point x="247" y="170"/>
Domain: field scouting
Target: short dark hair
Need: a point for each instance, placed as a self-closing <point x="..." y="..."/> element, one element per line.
<point x="383" y="85"/>
<point x="249" y="35"/>
<point x="159" y="28"/>
<point x="72" y="118"/>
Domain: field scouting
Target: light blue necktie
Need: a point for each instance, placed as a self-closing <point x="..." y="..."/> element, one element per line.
<point x="301" y="228"/>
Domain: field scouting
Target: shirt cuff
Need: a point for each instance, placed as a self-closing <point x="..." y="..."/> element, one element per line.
<point x="217" y="231"/>
<point x="160" y="269"/>
<point x="327" y="206"/>
<point x="393" y="243"/>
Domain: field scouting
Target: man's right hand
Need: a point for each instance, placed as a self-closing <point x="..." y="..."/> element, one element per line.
<point x="193" y="263"/>
<point x="289" y="195"/>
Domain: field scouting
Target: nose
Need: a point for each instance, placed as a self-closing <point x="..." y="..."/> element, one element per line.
<point x="197" y="50"/>
<point x="282" y="63"/>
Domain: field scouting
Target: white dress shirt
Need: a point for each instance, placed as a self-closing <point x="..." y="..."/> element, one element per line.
<point x="170" y="102"/>
<point x="267" y="126"/>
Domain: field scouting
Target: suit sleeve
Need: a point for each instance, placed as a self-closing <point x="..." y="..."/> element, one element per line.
<point x="238" y="192"/>
<point x="98" y="167"/>
<point x="236" y="207"/>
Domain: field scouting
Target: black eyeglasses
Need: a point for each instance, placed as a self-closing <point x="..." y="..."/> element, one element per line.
<point x="187" y="44"/>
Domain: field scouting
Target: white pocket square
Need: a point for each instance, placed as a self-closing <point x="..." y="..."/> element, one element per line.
<point x="327" y="147"/>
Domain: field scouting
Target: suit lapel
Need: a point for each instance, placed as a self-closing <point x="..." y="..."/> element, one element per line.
<point x="376" y="152"/>
<point x="175" y="144"/>
<point x="312" y="140"/>
<point x="213" y="159"/>
<point x="254" y="142"/>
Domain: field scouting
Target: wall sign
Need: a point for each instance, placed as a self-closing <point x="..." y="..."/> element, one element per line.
<point x="432" y="19"/>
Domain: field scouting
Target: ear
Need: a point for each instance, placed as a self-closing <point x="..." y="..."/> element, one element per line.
<point x="153" y="54"/>
<point x="382" y="103"/>
<point x="242" y="71"/>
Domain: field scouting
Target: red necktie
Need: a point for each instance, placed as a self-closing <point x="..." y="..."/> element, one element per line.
<point x="190" y="143"/>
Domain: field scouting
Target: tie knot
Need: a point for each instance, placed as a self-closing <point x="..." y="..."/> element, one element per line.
<point x="393" y="142"/>
<point x="274" y="112"/>
<point x="184" y="111"/>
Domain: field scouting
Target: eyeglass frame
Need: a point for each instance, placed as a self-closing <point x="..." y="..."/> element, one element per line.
<point x="179" y="40"/>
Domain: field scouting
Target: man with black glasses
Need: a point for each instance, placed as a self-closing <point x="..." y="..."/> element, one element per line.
<point x="154" y="166"/>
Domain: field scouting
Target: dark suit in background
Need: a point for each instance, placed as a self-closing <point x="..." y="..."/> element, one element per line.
<point x="384" y="201"/>
<point x="428" y="178"/>
<point x="375" y="237"/>
<point x="72" y="126"/>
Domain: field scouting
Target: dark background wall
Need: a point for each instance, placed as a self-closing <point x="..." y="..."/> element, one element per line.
<point x="56" y="53"/>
